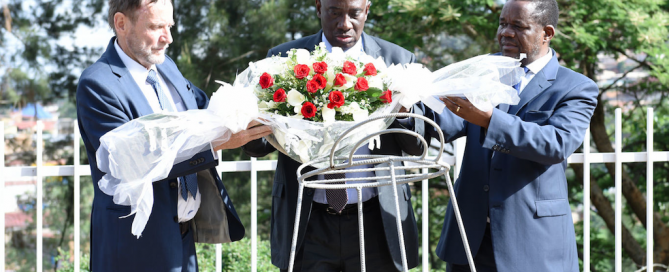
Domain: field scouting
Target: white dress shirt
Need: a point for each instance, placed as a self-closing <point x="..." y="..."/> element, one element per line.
<point x="186" y="209"/>
<point x="367" y="193"/>
<point x="534" y="68"/>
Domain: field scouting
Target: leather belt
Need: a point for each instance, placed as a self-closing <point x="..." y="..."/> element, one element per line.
<point x="348" y="209"/>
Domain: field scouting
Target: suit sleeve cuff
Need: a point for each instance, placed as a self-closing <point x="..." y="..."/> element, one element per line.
<point x="406" y="122"/>
<point x="494" y="137"/>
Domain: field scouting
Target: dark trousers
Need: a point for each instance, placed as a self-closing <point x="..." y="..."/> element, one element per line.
<point x="331" y="241"/>
<point x="484" y="259"/>
<point x="188" y="248"/>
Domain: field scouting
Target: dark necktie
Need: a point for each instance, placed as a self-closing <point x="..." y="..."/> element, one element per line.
<point x="188" y="182"/>
<point x="337" y="198"/>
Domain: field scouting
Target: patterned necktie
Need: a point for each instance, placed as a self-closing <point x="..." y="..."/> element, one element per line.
<point x="188" y="182"/>
<point x="337" y="198"/>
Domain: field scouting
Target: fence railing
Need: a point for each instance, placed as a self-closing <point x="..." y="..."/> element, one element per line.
<point x="254" y="166"/>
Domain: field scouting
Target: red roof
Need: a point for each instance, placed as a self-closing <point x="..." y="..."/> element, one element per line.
<point x="48" y="125"/>
<point x="17" y="219"/>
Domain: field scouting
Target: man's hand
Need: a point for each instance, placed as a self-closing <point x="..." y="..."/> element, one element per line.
<point x="253" y="131"/>
<point x="466" y="110"/>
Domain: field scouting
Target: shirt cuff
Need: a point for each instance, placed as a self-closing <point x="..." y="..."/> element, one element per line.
<point x="213" y="153"/>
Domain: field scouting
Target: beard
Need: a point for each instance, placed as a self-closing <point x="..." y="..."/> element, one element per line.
<point x="144" y="53"/>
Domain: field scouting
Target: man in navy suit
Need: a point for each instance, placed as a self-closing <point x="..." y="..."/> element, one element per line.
<point x="328" y="237"/>
<point x="134" y="78"/>
<point x="512" y="187"/>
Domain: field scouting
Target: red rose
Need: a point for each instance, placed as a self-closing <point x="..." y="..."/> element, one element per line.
<point x="320" y="67"/>
<point x="266" y="81"/>
<point x="349" y="68"/>
<point x="280" y="95"/>
<point x="336" y="99"/>
<point x="308" y="110"/>
<point x="370" y="70"/>
<point x="322" y="82"/>
<point x="312" y="86"/>
<point x="301" y="71"/>
<point x="361" y="85"/>
<point x="340" y="80"/>
<point x="387" y="97"/>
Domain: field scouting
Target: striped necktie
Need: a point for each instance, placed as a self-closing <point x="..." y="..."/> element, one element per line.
<point x="188" y="182"/>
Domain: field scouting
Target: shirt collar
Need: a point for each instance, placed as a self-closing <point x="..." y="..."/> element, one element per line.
<point x="354" y="51"/>
<point x="540" y="63"/>
<point x="137" y="70"/>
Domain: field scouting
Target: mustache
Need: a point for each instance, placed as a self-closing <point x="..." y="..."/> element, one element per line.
<point x="164" y="47"/>
<point x="508" y="42"/>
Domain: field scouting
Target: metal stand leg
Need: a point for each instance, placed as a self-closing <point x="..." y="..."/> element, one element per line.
<point x="297" y="227"/>
<point x="398" y="218"/>
<point x="461" y="226"/>
<point x="361" y="229"/>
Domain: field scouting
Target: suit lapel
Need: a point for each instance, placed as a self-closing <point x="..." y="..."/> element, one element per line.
<point x="310" y="43"/>
<point x="538" y="84"/>
<point x="174" y="77"/>
<point x="370" y="46"/>
<point x="125" y="79"/>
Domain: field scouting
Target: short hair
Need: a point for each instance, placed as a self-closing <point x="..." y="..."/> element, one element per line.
<point x="127" y="7"/>
<point x="546" y="12"/>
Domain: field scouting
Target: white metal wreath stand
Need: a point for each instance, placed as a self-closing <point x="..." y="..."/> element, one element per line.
<point x="378" y="181"/>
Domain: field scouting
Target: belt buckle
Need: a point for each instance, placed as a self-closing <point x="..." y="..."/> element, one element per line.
<point x="332" y="211"/>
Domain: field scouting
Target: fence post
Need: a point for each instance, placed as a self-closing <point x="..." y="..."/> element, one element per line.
<point x="586" y="201"/>
<point x="254" y="216"/>
<point x="2" y="195"/>
<point x="219" y="247"/>
<point x="425" y="194"/>
<point x="39" y="184"/>
<point x="649" y="191"/>
<point x="618" y="183"/>
<point x="77" y="199"/>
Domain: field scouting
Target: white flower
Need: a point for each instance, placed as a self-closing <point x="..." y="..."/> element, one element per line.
<point x="376" y="82"/>
<point x="266" y="105"/>
<point x="328" y="115"/>
<point x="337" y="56"/>
<point x="302" y="56"/>
<point x="360" y="115"/>
<point x="350" y="109"/>
<point x="295" y="98"/>
<point x="263" y="106"/>
<point x="298" y="109"/>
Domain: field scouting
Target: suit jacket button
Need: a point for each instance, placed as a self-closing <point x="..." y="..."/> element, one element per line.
<point x="176" y="219"/>
<point x="310" y="192"/>
<point x="173" y="185"/>
<point x="486" y="188"/>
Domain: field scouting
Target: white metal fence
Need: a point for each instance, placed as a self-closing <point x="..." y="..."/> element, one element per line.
<point x="253" y="166"/>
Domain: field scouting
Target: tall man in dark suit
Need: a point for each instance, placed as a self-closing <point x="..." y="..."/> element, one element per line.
<point x="328" y="238"/>
<point x="134" y="78"/>
<point x="512" y="187"/>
